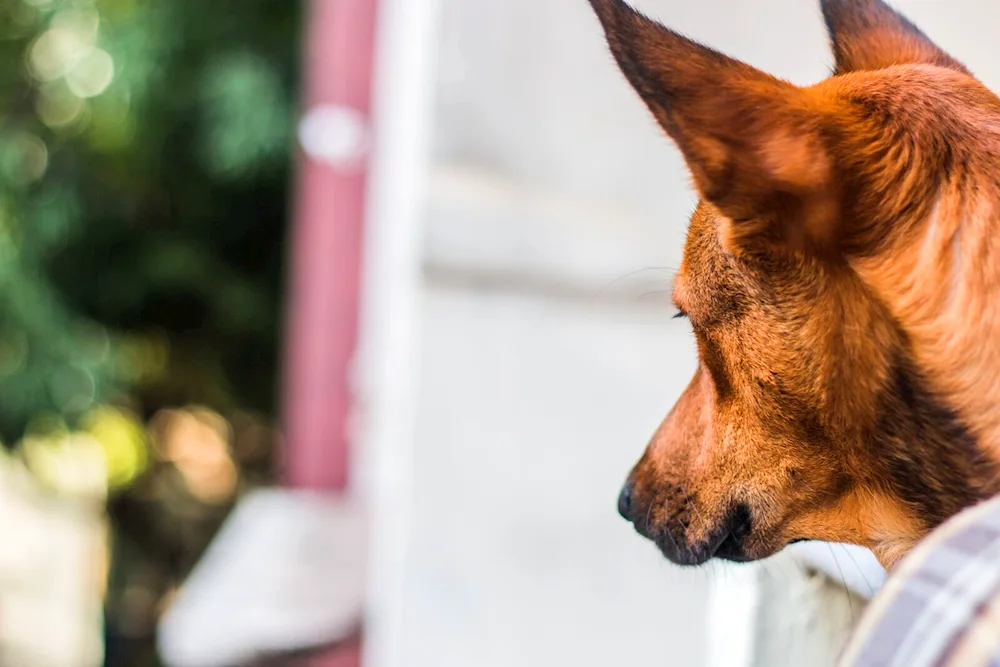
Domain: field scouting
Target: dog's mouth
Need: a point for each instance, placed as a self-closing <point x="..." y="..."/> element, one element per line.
<point x="727" y="542"/>
<point x="732" y="550"/>
<point x="738" y="527"/>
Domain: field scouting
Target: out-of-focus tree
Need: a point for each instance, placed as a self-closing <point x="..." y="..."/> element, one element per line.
<point x="144" y="171"/>
<point x="144" y="167"/>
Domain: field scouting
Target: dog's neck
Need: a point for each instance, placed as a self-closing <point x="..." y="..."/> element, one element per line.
<point x="942" y="284"/>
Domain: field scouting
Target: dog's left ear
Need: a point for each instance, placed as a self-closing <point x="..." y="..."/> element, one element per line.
<point x="754" y="144"/>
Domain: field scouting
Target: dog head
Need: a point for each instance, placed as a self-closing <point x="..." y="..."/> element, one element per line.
<point x="839" y="276"/>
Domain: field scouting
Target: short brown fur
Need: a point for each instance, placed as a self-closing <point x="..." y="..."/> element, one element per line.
<point x="840" y="273"/>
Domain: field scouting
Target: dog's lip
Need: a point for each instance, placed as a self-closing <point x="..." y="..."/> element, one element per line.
<point x="723" y="545"/>
<point x="726" y="543"/>
<point x="687" y="555"/>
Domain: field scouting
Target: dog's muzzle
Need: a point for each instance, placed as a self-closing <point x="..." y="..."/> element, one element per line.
<point x="725" y="541"/>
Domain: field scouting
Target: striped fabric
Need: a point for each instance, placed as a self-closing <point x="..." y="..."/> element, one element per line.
<point x="941" y="606"/>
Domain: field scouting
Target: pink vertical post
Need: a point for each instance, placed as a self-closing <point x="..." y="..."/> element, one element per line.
<point x="326" y="245"/>
<point x="326" y="251"/>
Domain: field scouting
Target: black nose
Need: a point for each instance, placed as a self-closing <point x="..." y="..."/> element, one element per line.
<point x="625" y="505"/>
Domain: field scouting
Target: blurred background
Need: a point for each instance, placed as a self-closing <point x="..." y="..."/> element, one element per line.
<point x="144" y="175"/>
<point x="166" y="192"/>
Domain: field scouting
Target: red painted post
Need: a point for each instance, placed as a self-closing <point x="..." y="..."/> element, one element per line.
<point x="326" y="247"/>
<point x="326" y="251"/>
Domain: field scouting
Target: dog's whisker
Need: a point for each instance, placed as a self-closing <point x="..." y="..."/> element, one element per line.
<point x="666" y="527"/>
<point x="780" y="566"/>
<point x="652" y="293"/>
<point x="857" y="566"/>
<point x="690" y="503"/>
<point x="632" y="274"/>
<point x="843" y="579"/>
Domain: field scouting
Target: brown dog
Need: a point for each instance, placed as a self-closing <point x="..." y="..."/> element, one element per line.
<point x="842" y="277"/>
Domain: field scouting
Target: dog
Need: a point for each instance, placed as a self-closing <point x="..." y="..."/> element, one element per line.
<point x="841" y="275"/>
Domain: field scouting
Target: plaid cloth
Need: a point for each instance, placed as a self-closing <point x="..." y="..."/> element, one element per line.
<point x="941" y="606"/>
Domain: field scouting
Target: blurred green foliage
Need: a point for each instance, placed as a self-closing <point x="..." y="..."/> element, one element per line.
<point x="144" y="169"/>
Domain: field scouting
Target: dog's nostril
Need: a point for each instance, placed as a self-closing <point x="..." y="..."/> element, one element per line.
<point x="625" y="501"/>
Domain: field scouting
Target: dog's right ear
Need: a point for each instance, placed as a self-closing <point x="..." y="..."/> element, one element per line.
<point x="871" y="35"/>
<point x="753" y="143"/>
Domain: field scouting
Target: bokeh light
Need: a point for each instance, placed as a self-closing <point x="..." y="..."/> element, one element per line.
<point x="122" y="440"/>
<point x="25" y="157"/>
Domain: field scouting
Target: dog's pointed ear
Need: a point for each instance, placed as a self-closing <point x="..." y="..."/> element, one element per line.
<point x="754" y="144"/>
<point x="871" y="35"/>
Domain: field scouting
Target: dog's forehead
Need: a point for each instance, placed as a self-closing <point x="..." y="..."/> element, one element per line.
<point x="912" y="90"/>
